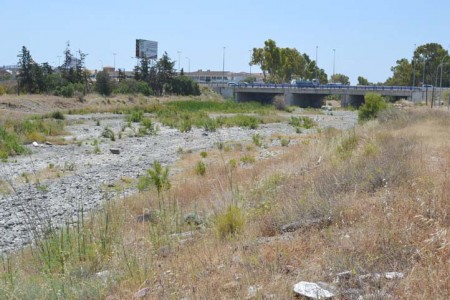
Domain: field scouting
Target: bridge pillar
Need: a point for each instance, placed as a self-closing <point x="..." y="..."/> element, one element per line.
<point x="353" y="100"/>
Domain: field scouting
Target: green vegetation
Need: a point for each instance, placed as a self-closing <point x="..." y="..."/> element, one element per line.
<point x="103" y="84"/>
<point x="373" y="104"/>
<point x="73" y="79"/>
<point x="426" y="58"/>
<point x="302" y="122"/>
<point x="9" y="144"/>
<point x="257" y="139"/>
<point x="282" y="64"/>
<point x="200" y="168"/>
<point x="108" y="133"/>
<point x="231" y="222"/>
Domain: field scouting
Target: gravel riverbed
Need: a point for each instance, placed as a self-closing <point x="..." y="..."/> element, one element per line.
<point x="85" y="175"/>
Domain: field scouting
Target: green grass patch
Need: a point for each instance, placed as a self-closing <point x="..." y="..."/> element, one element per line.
<point x="10" y="144"/>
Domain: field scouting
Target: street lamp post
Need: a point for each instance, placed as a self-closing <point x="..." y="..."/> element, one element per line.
<point x="250" y="63"/>
<point x="334" y="60"/>
<point x="179" y="69"/>
<point x="114" y="61"/>
<point x="317" y="67"/>
<point x="223" y="65"/>
<point x="414" y="66"/>
<point x="189" y="64"/>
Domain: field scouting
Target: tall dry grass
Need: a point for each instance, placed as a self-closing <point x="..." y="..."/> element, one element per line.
<point x="369" y="201"/>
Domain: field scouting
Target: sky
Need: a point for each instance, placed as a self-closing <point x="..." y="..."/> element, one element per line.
<point x="368" y="36"/>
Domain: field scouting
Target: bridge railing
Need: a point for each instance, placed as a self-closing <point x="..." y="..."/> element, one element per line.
<point x="329" y="86"/>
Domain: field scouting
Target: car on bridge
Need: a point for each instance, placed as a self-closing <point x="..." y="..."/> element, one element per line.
<point x="304" y="83"/>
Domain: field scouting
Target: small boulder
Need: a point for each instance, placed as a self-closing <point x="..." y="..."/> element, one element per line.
<point x="314" y="290"/>
<point x="142" y="293"/>
<point x="114" y="150"/>
<point x="193" y="219"/>
<point x="393" y="275"/>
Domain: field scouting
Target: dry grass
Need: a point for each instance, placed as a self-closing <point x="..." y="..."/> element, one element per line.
<point x="386" y="203"/>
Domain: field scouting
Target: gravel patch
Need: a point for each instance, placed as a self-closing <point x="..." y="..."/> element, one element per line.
<point x="83" y="186"/>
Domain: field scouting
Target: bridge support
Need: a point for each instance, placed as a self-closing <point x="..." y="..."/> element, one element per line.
<point x="353" y="100"/>
<point x="304" y="100"/>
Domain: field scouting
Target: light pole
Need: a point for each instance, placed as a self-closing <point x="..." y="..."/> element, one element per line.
<point x="114" y="61"/>
<point x="440" y="81"/>
<point x="250" y="63"/>
<point x="179" y="69"/>
<point x="334" y="60"/>
<point x="317" y="67"/>
<point x="59" y="60"/>
<point x="189" y="64"/>
<point x="137" y="59"/>
<point x="423" y="72"/>
<point x="223" y="65"/>
<point x="414" y="66"/>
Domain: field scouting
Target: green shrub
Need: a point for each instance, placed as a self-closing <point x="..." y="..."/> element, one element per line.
<point x="183" y="85"/>
<point x="374" y="103"/>
<point x="285" y="142"/>
<point x="248" y="159"/>
<point x="200" y="168"/>
<point x="203" y="154"/>
<point x="57" y="115"/>
<point x="135" y="116"/>
<point x="2" y="90"/>
<point x="103" y="84"/>
<point x="210" y="125"/>
<point x="10" y="144"/>
<point x="299" y="122"/>
<point x="108" y="133"/>
<point x="231" y="222"/>
<point x="347" y="145"/>
<point x="257" y="139"/>
<point x="148" y="128"/>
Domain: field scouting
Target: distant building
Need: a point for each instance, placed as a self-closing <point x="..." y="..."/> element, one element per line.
<point x="209" y="76"/>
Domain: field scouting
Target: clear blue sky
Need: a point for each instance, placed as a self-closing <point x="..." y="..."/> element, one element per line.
<point x="369" y="36"/>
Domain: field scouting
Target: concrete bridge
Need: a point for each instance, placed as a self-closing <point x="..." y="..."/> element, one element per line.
<point x="313" y="96"/>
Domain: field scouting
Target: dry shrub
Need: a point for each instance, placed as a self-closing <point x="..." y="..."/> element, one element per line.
<point x="279" y="103"/>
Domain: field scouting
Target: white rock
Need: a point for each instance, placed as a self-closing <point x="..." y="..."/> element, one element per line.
<point x="312" y="290"/>
<point x="35" y="144"/>
<point x="393" y="275"/>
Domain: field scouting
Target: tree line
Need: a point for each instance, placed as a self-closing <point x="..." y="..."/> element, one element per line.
<point x="280" y="65"/>
<point x="72" y="77"/>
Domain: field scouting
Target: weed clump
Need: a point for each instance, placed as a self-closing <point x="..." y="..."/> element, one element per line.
<point x="374" y="103"/>
<point x="231" y="222"/>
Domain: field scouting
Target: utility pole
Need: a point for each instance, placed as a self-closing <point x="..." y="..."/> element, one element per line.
<point x="179" y="69"/>
<point x="250" y="63"/>
<point x="114" y="61"/>
<point x="414" y="66"/>
<point x="317" y="66"/>
<point x="334" y="60"/>
<point x="223" y="65"/>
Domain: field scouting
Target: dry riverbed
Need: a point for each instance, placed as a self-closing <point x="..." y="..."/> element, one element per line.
<point x="57" y="182"/>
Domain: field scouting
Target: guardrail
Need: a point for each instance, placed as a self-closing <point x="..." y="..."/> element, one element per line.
<point x="328" y="87"/>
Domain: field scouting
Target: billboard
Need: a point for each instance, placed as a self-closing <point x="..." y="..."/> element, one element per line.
<point x="146" y="49"/>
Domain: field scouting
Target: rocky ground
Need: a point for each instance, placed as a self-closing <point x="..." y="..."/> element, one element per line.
<point x="79" y="179"/>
